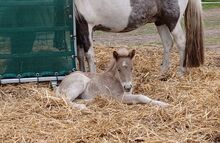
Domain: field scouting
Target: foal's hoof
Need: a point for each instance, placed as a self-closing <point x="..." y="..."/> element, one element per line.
<point x="80" y="106"/>
<point x="163" y="104"/>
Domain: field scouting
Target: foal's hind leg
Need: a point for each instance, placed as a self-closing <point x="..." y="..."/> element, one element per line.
<point x="167" y="41"/>
<point x="75" y="105"/>
<point x="72" y="93"/>
<point x="179" y="37"/>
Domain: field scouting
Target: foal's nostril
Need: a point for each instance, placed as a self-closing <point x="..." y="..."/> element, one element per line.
<point x="128" y="87"/>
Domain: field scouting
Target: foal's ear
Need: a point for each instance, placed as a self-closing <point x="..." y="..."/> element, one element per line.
<point x="115" y="55"/>
<point x="132" y="54"/>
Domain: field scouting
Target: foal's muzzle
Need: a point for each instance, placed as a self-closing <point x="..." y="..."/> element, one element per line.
<point x="127" y="87"/>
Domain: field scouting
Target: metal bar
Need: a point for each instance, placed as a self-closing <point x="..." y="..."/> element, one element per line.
<point x="210" y="2"/>
<point x="34" y="79"/>
<point x="74" y="34"/>
<point x="27" y="55"/>
<point x="74" y="29"/>
<point x="34" y="29"/>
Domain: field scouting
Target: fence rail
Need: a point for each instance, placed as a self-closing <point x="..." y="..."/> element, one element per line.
<point x="210" y="2"/>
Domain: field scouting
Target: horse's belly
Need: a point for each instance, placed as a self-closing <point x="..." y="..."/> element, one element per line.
<point x="111" y="14"/>
<point x="144" y="11"/>
<point x="125" y="15"/>
<point x="117" y="15"/>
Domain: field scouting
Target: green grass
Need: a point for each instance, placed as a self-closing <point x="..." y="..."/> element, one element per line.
<point x="210" y="6"/>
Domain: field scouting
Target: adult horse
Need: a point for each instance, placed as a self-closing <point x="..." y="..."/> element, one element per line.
<point x="127" y="15"/>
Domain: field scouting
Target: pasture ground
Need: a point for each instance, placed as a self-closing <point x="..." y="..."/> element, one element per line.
<point x="32" y="113"/>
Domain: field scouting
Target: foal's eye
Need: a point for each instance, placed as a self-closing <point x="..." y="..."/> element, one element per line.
<point x="119" y="70"/>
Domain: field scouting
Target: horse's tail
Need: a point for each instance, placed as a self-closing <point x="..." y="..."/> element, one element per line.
<point x="194" y="53"/>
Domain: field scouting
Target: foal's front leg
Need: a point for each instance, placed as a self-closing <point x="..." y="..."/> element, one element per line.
<point x="141" y="99"/>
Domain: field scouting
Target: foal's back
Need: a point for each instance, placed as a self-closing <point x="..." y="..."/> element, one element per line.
<point x="103" y="84"/>
<point x="88" y="85"/>
<point x="74" y="83"/>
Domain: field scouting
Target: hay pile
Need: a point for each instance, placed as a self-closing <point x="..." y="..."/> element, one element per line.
<point x="31" y="112"/>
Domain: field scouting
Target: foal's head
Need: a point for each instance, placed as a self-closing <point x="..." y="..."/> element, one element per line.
<point x="123" y="66"/>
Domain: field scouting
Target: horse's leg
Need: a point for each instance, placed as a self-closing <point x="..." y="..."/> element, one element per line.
<point x="141" y="99"/>
<point x="90" y="55"/>
<point x="72" y="93"/>
<point x="80" y="57"/>
<point x="179" y="37"/>
<point x="167" y="41"/>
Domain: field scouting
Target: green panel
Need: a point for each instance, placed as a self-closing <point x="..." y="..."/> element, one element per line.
<point x="35" y="38"/>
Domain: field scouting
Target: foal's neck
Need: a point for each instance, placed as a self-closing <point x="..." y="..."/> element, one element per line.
<point x="112" y="70"/>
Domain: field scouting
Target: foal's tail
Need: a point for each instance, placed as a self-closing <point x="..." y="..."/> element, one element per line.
<point x="57" y="91"/>
<point x="194" y="54"/>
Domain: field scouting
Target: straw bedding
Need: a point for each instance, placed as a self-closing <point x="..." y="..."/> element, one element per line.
<point x="32" y="113"/>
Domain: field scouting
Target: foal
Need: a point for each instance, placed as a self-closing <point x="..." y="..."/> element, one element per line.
<point x="115" y="82"/>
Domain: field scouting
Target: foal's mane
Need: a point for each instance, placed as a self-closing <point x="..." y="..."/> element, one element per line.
<point x="112" y="65"/>
<point x="122" y="53"/>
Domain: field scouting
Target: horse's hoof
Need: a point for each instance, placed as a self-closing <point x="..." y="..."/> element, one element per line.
<point x="164" y="69"/>
<point x="181" y="72"/>
<point x="164" y="77"/>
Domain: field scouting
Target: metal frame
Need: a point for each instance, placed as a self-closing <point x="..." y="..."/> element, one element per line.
<point x="211" y="2"/>
<point x="74" y="36"/>
<point x="32" y="79"/>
